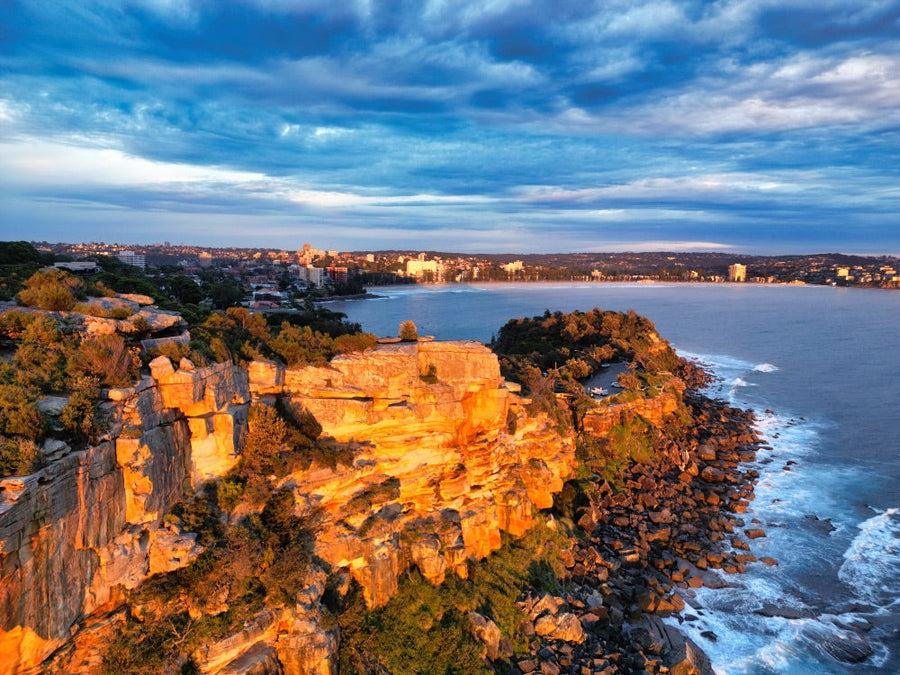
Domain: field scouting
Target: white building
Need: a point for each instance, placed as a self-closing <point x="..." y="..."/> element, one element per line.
<point x="133" y="259"/>
<point x="314" y="276"/>
<point x="513" y="267"/>
<point x="737" y="272"/>
<point x="418" y="268"/>
<point x="79" y="267"/>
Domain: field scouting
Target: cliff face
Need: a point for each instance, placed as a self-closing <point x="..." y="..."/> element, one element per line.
<point x="90" y="522"/>
<point x="437" y="474"/>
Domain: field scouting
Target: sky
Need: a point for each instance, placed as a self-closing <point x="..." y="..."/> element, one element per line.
<point x="757" y="126"/>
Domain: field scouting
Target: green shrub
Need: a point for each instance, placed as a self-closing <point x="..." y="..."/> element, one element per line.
<point x="356" y="342"/>
<point x="231" y="490"/>
<point x="141" y="325"/>
<point x="80" y="416"/>
<point x="19" y="415"/>
<point x="430" y="376"/>
<point x="53" y="290"/>
<point x="13" y="322"/>
<point x="263" y="442"/>
<point x="107" y="358"/>
<point x="40" y="357"/>
<point x="19" y="456"/>
<point x="97" y="309"/>
<point x="425" y="628"/>
<point x="278" y="515"/>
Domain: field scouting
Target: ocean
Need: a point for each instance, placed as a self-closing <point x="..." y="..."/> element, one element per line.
<point x="820" y="368"/>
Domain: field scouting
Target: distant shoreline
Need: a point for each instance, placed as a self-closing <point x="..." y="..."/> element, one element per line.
<point x="449" y="284"/>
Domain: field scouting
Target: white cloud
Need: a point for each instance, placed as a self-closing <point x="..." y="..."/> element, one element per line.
<point x="37" y="162"/>
<point x="640" y="245"/>
<point x="679" y="188"/>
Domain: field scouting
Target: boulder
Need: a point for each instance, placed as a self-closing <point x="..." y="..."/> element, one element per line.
<point x="845" y="646"/>
<point x="161" y="367"/>
<point x="487" y="632"/>
<point x="137" y="298"/>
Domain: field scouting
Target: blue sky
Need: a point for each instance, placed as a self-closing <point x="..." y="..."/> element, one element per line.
<point x="765" y="126"/>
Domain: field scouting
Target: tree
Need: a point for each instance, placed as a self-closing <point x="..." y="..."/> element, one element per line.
<point x="183" y="289"/>
<point x="301" y="346"/>
<point x="408" y="331"/>
<point x="80" y="417"/>
<point x="18" y="252"/>
<point x="106" y="357"/>
<point x="264" y="441"/>
<point x="53" y="290"/>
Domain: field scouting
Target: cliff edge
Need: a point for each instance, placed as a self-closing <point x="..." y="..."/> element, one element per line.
<point x="443" y="457"/>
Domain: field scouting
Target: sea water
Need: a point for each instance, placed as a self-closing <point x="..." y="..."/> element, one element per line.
<point x="819" y="366"/>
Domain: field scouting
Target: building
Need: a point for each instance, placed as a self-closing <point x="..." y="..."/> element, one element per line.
<point x="269" y="296"/>
<point x="513" y="267"/>
<point x="80" y="267"/>
<point x="338" y="275"/>
<point x="205" y="259"/>
<point x="737" y="272"/>
<point x="313" y="276"/>
<point x="133" y="259"/>
<point x="429" y="270"/>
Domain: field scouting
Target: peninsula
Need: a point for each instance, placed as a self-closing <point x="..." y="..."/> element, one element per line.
<point x="242" y="497"/>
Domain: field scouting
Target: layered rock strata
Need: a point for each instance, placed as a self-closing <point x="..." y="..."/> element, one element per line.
<point x="438" y="471"/>
<point x="445" y="458"/>
<point x="90" y="523"/>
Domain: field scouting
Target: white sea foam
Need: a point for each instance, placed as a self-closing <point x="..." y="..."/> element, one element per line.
<point x="786" y="494"/>
<point x="720" y="363"/>
<point x="871" y="567"/>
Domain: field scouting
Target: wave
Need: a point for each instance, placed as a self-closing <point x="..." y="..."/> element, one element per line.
<point x="792" y="502"/>
<point x="871" y="567"/>
<point x="718" y="361"/>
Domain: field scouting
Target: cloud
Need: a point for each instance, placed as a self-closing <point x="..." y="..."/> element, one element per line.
<point x="680" y="121"/>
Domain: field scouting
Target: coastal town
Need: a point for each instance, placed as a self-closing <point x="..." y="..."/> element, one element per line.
<point x="277" y="277"/>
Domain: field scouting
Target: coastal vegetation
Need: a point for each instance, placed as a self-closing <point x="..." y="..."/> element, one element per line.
<point x="258" y="552"/>
<point x="251" y="562"/>
<point x="427" y="629"/>
<point x="408" y="331"/>
<point x="47" y="355"/>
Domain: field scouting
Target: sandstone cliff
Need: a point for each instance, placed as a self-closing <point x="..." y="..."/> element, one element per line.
<point x="90" y="522"/>
<point x="437" y="474"/>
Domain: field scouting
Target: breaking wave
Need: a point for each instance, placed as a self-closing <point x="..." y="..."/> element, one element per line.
<point x="871" y="567"/>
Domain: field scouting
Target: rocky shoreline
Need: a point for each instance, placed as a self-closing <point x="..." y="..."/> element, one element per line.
<point x="645" y="549"/>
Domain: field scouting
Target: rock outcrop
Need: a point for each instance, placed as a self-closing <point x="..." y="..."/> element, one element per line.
<point x="90" y="522"/>
<point x="654" y="409"/>
<point x="437" y="473"/>
<point x="444" y="459"/>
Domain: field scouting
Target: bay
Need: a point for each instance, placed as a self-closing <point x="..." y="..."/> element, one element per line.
<point x="822" y="361"/>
